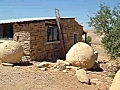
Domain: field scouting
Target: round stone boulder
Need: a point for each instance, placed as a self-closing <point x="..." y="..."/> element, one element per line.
<point x="11" y="52"/>
<point x="116" y="82"/>
<point x="81" y="55"/>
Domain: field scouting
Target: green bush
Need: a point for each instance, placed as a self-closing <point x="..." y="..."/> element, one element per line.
<point x="88" y="39"/>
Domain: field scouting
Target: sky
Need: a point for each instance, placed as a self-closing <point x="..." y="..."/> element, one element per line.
<point x="80" y="9"/>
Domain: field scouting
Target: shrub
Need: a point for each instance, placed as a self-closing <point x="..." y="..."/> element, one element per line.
<point x="88" y="39"/>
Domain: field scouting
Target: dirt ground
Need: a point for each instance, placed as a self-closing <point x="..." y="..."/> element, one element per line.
<point x="29" y="77"/>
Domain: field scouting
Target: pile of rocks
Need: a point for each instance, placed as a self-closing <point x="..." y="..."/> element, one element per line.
<point x="60" y="65"/>
<point x="81" y="74"/>
<point x="23" y="38"/>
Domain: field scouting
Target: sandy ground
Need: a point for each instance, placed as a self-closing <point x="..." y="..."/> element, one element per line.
<point x="31" y="78"/>
<point x="26" y="78"/>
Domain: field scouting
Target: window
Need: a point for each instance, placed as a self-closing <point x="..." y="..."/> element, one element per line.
<point x="75" y="37"/>
<point x="52" y="34"/>
<point x="7" y="31"/>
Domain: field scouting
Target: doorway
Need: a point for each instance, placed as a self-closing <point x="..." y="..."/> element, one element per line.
<point x="75" y="38"/>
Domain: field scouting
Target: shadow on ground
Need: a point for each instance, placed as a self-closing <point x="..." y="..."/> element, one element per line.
<point x="27" y="63"/>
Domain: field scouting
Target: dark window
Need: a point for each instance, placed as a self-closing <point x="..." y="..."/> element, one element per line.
<point x="75" y="38"/>
<point x="7" y="31"/>
<point x="52" y="34"/>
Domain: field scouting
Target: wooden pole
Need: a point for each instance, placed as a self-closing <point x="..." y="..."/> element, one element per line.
<point x="60" y="31"/>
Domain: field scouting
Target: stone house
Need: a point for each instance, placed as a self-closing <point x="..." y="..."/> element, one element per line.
<point x="39" y="36"/>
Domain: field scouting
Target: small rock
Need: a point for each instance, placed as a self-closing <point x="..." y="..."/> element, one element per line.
<point x="55" y="66"/>
<point x="104" y="71"/>
<point x="65" y="71"/>
<point x="43" y="69"/>
<point x="56" y="69"/>
<point x="94" y="81"/>
<point x="96" y="54"/>
<point x="7" y="64"/>
<point x="93" y="72"/>
<point x="43" y="64"/>
<point x="63" y="62"/>
<point x="82" y="76"/>
<point x="88" y="72"/>
<point x="72" y="67"/>
<point x="62" y="67"/>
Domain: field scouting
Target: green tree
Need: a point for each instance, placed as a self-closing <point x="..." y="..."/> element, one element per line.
<point x="107" y="21"/>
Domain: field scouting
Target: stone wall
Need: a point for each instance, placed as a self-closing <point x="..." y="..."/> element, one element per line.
<point x="23" y="38"/>
<point x="36" y="42"/>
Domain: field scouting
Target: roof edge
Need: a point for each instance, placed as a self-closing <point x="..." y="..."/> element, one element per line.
<point x="32" y="19"/>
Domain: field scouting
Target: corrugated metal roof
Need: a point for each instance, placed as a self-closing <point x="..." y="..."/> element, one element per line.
<point x="28" y="19"/>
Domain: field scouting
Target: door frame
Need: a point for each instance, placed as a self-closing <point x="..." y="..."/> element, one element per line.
<point x="74" y="37"/>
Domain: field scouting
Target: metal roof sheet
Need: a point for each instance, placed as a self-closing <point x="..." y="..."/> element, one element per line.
<point x="28" y="19"/>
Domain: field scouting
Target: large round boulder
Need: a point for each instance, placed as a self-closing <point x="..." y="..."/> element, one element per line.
<point x="11" y="52"/>
<point x="116" y="82"/>
<point x="81" y="55"/>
